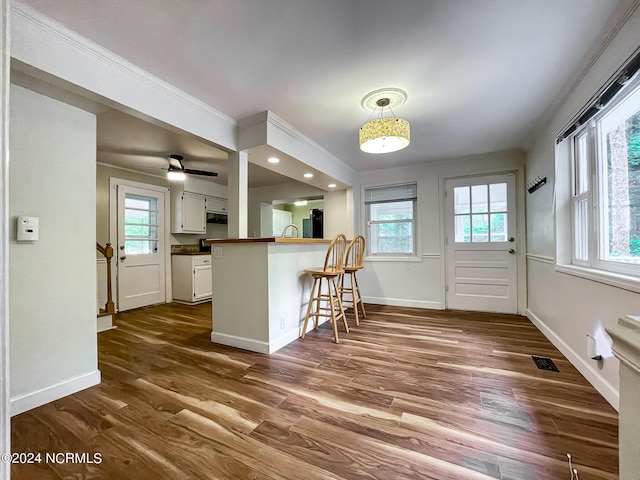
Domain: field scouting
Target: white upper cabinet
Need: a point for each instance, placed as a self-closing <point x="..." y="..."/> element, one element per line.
<point x="188" y="214"/>
<point x="216" y="205"/>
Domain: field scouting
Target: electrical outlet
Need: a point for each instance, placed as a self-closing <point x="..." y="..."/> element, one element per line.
<point x="218" y="252"/>
<point x="282" y="323"/>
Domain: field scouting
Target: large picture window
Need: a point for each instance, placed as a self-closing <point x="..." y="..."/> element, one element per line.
<point x="390" y="212"/>
<point x="605" y="187"/>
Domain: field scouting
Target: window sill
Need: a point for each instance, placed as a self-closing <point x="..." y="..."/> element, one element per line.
<point x="393" y="258"/>
<point x="619" y="280"/>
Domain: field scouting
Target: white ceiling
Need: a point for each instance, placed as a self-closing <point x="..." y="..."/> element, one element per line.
<point x="479" y="73"/>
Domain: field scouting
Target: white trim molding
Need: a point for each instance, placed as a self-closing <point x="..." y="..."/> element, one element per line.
<point x="626" y="282"/>
<point x="403" y="302"/>
<point x="240" y="342"/>
<point x="605" y="388"/>
<point x="541" y="258"/>
<point x="5" y="421"/>
<point x="30" y="400"/>
<point x="626" y="347"/>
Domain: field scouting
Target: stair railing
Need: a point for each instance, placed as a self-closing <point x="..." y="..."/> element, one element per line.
<point x="107" y="252"/>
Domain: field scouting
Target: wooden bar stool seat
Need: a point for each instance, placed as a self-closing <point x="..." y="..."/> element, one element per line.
<point x="353" y="263"/>
<point x="328" y="303"/>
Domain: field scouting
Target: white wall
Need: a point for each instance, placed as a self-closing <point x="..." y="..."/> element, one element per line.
<point x="567" y="308"/>
<point x="420" y="282"/>
<point x="53" y="339"/>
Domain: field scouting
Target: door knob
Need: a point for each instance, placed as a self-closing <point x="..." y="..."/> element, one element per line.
<point x="511" y="239"/>
<point x="123" y="257"/>
<point x="512" y="251"/>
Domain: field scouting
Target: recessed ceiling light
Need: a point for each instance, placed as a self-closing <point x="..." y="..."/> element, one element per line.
<point x="332" y="185"/>
<point x="273" y="160"/>
<point x="308" y="175"/>
<point x="300" y="203"/>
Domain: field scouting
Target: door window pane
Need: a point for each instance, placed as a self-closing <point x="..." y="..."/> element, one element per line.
<point x="480" y="228"/>
<point x="498" y="197"/>
<point x="140" y="225"/>
<point x="479" y="199"/>
<point x="462" y="228"/>
<point x="461" y="200"/>
<point x="498" y="223"/>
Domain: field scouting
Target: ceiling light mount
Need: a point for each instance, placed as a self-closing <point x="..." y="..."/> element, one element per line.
<point x="384" y="135"/>
<point x="395" y="96"/>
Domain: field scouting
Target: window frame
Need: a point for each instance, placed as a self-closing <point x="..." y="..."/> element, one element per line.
<point x="368" y="222"/>
<point x="596" y="192"/>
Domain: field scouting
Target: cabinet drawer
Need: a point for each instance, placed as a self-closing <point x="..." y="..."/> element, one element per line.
<point x="201" y="260"/>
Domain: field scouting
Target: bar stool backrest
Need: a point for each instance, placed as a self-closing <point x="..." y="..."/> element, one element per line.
<point x="355" y="253"/>
<point x="334" y="261"/>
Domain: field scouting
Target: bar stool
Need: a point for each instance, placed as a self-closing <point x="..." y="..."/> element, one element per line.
<point x="353" y="263"/>
<point x="326" y="304"/>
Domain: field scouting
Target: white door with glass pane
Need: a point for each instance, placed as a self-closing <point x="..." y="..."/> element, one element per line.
<point x="141" y="277"/>
<point x="481" y="258"/>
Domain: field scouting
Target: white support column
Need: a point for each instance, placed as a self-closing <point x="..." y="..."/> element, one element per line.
<point x="626" y="347"/>
<point x="5" y="422"/>
<point x="238" y="188"/>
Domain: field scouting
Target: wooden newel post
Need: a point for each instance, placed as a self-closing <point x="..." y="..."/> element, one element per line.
<point x="110" y="306"/>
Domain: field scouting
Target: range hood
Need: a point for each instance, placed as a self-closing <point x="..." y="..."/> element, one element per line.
<point x="220" y="218"/>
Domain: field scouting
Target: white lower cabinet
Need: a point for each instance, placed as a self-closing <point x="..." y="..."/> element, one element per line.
<point x="191" y="276"/>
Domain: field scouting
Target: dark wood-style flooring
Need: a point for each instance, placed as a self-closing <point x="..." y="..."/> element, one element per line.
<point x="411" y="393"/>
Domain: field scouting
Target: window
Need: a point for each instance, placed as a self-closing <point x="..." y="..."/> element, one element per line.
<point x="480" y="213"/>
<point x="605" y="188"/>
<point x="390" y="212"/>
<point x="140" y="224"/>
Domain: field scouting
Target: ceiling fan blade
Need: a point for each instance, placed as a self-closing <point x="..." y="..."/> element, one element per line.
<point x="200" y="172"/>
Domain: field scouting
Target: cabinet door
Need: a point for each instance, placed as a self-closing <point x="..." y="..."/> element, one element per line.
<point x="202" y="282"/>
<point x="216" y="205"/>
<point x="193" y="213"/>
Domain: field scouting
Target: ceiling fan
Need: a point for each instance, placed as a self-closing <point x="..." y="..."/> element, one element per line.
<point x="177" y="172"/>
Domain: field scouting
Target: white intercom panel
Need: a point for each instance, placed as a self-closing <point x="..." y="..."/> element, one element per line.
<point x="27" y="229"/>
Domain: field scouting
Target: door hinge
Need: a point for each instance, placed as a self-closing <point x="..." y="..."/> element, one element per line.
<point x="446" y="241"/>
<point x="446" y="288"/>
<point x="446" y="193"/>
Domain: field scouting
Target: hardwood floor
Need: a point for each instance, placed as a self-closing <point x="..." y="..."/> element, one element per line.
<point x="410" y="393"/>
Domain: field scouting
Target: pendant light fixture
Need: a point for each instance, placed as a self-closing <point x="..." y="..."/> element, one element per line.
<point x="384" y="135"/>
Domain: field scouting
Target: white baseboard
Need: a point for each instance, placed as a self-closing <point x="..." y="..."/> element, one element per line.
<point x="240" y="342"/>
<point x="401" y="302"/>
<point x="286" y="339"/>
<point x="600" y="384"/>
<point x="105" y="322"/>
<point x="27" y="401"/>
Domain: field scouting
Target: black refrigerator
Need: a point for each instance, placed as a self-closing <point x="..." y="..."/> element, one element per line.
<point x="317" y="227"/>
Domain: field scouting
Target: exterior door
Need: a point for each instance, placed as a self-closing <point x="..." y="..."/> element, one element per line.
<point x="481" y="260"/>
<point x="141" y="277"/>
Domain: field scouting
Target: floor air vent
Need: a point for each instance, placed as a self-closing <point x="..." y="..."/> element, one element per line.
<point x="545" y="364"/>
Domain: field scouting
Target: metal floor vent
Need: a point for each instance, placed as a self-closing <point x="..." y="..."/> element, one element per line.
<point x="544" y="363"/>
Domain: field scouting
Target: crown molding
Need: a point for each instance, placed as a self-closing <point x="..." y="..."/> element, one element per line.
<point x="51" y="26"/>
<point x="39" y="32"/>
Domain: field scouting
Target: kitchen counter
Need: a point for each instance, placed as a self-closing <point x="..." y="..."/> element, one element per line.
<point x="260" y="290"/>
<point x="267" y="240"/>
<point x="190" y="253"/>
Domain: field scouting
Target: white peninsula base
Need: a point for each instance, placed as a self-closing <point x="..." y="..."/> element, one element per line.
<point x="260" y="290"/>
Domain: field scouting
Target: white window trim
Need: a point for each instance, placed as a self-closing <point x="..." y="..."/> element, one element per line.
<point x="624" y="276"/>
<point x="391" y="257"/>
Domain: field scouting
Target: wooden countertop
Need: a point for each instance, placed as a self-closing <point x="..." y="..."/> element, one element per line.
<point x="190" y="253"/>
<point x="267" y="240"/>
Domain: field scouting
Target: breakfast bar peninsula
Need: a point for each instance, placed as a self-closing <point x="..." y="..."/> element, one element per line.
<point x="260" y="290"/>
